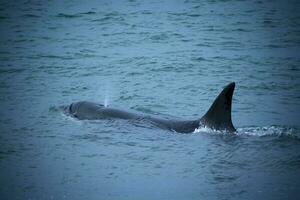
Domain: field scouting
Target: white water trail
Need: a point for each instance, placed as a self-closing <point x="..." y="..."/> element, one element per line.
<point x="255" y="131"/>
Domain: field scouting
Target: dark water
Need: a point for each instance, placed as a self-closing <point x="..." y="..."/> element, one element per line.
<point x="171" y="59"/>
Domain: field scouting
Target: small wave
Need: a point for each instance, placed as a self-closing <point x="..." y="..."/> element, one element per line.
<point x="178" y="13"/>
<point x="88" y="13"/>
<point x="63" y="15"/>
<point x="279" y="131"/>
<point x="54" y="57"/>
<point x="159" y="37"/>
<point x="103" y="19"/>
<point x="9" y="71"/>
<point x="31" y="16"/>
<point x="108" y="17"/>
<point x="3" y="17"/>
<point x="56" y="108"/>
<point x="194" y="15"/>
<point x="199" y="59"/>
<point x="241" y="30"/>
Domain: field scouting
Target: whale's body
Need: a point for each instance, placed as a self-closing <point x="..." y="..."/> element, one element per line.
<point x="218" y="117"/>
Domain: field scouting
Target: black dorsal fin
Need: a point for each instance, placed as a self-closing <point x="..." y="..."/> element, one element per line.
<point x="218" y="116"/>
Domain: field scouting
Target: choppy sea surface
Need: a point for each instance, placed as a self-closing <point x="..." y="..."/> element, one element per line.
<point x="167" y="58"/>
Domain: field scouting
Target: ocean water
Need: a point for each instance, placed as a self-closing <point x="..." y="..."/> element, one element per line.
<point x="168" y="58"/>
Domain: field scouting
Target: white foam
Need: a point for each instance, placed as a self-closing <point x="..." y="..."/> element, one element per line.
<point x="205" y="129"/>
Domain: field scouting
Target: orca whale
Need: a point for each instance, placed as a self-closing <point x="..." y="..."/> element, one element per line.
<point x="218" y="116"/>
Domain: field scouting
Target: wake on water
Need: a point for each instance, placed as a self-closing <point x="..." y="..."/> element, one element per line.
<point x="277" y="131"/>
<point x="280" y="131"/>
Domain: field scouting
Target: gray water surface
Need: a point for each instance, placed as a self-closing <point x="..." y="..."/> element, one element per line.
<point x="169" y="59"/>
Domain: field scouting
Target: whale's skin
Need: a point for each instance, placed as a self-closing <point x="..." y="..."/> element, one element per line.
<point x="218" y="117"/>
<point x="85" y="110"/>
